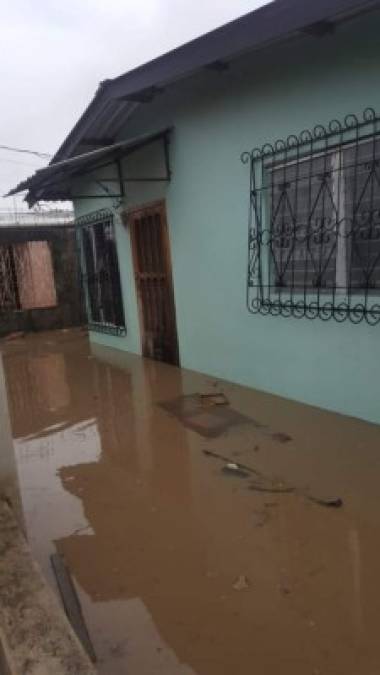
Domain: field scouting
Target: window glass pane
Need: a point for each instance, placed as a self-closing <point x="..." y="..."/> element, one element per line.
<point x="362" y="213"/>
<point x="90" y="276"/>
<point x="8" y="280"/>
<point x="102" y="276"/>
<point x="303" y="212"/>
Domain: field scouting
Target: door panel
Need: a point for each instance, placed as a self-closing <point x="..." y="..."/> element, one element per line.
<point x="151" y="254"/>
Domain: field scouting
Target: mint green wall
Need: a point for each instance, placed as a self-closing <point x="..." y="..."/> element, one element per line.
<point x="216" y="117"/>
<point x="149" y="159"/>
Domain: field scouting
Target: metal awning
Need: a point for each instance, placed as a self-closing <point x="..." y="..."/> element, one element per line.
<point x="54" y="182"/>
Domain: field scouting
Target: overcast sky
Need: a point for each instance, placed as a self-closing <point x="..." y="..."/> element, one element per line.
<point x="53" y="54"/>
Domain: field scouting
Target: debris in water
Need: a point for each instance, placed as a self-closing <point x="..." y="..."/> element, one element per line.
<point x="85" y="528"/>
<point x="268" y="485"/>
<point x="333" y="502"/>
<point x="281" y="437"/>
<point x="213" y="399"/>
<point x="207" y="419"/>
<point x="271" y="488"/>
<point x="241" y="583"/>
<point x="216" y="455"/>
<point x="235" y="470"/>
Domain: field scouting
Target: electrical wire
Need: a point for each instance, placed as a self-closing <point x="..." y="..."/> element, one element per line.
<point x="15" y="161"/>
<point x="42" y="155"/>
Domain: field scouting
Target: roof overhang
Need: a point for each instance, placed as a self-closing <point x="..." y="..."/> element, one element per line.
<point x="54" y="182"/>
<point x="116" y="100"/>
<point x="273" y="23"/>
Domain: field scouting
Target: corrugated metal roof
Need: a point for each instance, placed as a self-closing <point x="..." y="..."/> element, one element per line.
<point x="53" y="181"/>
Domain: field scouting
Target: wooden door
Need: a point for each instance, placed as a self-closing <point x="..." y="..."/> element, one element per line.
<point x="152" y="265"/>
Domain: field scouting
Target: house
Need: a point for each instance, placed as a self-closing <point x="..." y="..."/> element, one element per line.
<point x="227" y="199"/>
<point x="39" y="274"/>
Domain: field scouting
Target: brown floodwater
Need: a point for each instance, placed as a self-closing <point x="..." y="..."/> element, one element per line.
<point x="180" y="566"/>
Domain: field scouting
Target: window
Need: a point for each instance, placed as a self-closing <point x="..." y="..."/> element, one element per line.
<point x="9" y="296"/>
<point x="314" y="231"/>
<point x="101" y="277"/>
<point x="27" y="276"/>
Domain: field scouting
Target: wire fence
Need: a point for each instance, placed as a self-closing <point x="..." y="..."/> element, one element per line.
<point x="13" y="217"/>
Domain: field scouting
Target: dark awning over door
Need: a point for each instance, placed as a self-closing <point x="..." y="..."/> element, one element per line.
<point x="54" y="181"/>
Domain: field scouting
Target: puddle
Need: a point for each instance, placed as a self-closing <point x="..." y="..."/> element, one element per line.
<point x="181" y="569"/>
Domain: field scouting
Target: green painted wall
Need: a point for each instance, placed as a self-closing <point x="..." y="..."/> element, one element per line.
<point x="216" y="117"/>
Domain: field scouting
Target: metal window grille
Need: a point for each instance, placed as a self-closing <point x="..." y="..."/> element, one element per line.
<point x="314" y="223"/>
<point x="9" y="291"/>
<point x="100" y="273"/>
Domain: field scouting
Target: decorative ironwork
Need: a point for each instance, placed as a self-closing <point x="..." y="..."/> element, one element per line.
<point x="314" y="223"/>
<point x="100" y="273"/>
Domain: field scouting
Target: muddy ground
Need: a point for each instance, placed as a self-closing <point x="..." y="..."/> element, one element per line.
<point x="189" y="524"/>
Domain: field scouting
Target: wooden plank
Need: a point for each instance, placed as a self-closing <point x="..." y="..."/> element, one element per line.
<point x="71" y="603"/>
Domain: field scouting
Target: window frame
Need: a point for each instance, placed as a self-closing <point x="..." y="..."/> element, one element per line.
<point x="96" y="295"/>
<point x="336" y="155"/>
<point x="341" y="300"/>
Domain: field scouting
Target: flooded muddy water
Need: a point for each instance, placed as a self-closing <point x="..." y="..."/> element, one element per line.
<point x="180" y="566"/>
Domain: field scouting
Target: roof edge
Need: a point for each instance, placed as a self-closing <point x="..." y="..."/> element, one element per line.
<point x="273" y="22"/>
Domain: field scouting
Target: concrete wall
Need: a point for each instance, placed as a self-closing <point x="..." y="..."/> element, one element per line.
<point x="216" y="117"/>
<point x="35" y="635"/>
<point x="68" y="308"/>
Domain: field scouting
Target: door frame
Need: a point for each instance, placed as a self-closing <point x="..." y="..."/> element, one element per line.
<point x="129" y="214"/>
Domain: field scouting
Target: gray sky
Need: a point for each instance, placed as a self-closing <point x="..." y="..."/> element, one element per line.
<point x="53" y="54"/>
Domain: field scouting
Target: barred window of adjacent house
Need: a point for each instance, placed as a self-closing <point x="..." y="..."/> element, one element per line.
<point x="314" y="233"/>
<point x="101" y="276"/>
<point x="27" y="276"/>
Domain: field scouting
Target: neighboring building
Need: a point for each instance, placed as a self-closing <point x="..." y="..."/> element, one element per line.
<point x="168" y="214"/>
<point x="39" y="277"/>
